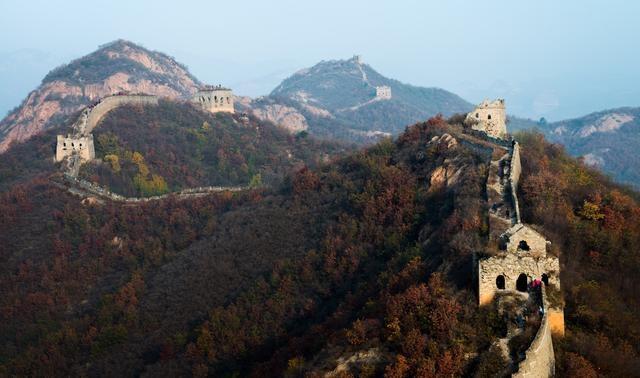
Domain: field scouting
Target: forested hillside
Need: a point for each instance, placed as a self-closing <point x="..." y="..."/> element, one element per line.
<point x="152" y="150"/>
<point x="115" y="67"/>
<point x="362" y="265"/>
<point x="337" y="99"/>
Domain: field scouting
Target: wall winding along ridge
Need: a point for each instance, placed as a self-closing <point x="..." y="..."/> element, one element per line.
<point x="109" y="103"/>
<point x="540" y="359"/>
<point x="68" y="148"/>
<point x="521" y="255"/>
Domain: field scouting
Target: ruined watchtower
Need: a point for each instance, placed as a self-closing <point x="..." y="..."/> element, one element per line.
<point x="214" y="99"/>
<point x="82" y="145"/>
<point x="490" y="117"/>
<point x="383" y="92"/>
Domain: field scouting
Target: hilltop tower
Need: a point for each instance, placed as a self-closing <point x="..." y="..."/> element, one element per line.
<point x="383" y="92"/>
<point x="214" y="99"/>
<point x="490" y="117"/>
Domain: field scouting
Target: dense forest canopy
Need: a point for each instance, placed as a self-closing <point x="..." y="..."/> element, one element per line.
<point x="368" y="255"/>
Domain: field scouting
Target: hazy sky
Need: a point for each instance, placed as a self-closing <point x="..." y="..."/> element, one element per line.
<point x="549" y="58"/>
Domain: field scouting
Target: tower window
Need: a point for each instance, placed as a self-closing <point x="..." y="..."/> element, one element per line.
<point x="489" y="116"/>
<point x="523" y="246"/>
<point x="500" y="282"/>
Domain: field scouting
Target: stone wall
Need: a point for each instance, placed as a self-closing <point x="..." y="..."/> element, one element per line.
<point x="524" y="240"/>
<point x="80" y="143"/>
<point x="490" y="117"/>
<point x="214" y="99"/>
<point x="514" y="178"/>
<point x="383" y="92"/>
<point x="87" y="189"/>
<point x="510" y="267"/>
<point x="109" y="103"/>
<point x="540" y="359"/>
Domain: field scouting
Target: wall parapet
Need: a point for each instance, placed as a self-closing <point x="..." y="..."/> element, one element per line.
<point x="515" y="168"/>
<point x="109" y="103"/>
<point x="539" y="358"/>
<point x="99" y="191"/>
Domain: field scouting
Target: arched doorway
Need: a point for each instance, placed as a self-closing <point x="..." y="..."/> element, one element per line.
<point x="500" y="282"/>
<point x="545" y="279"/>
<point x="521" y="283"/>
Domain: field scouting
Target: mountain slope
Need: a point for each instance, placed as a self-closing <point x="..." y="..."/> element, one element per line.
<point x="155" y="149"/>
<point x="338" y="98"/>
<point x="184" y="147"/>
<point x="609" y="140"/>
<point x="114" y="67"/>
<point x="364" y="265"/>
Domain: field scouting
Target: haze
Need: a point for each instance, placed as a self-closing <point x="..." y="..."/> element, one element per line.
<point x="547" y="58"/>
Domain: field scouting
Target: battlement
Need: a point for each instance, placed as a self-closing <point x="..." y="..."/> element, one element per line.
<point x="214" y="99"/>
<point x="490" y="117"/>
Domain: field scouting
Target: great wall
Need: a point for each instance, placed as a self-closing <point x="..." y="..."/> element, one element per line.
<point x="519" y="270"/>
<point x="77" y="148"/>
<point x="521" y="257"/>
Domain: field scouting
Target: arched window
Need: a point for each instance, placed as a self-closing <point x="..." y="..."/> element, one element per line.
<point x="215" y="99"/>
<point x="489" y="116"/>
<point x="545" y="279"/>
<point x="521" y="282"/>
<point x="72" y="145"/>
<point x="64" y="144"/>
<point x="500" y="282"/>
<point x="477" y="115"/>
<point x="523" y="246"/>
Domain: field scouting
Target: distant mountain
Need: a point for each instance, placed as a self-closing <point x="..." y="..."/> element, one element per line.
<point x="114" y="67"/>
<point x="609" y="140"/>
<point x="339" y="98"/>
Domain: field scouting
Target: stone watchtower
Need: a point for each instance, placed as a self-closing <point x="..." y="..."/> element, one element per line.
<point x="82" y="145"/>
<point x="383" y="92"/>
<point x="490" y="117"/>
<point x="214" y="99"/>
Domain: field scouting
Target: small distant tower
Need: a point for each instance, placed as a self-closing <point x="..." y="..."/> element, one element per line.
<point x="383" y="92"/>
<point x="357" y="59"/>
<point x="214" y="99"/>
<point x="490" y="117"/>
<point x="69" y="145"/>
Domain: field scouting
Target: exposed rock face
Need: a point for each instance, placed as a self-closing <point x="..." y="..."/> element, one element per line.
<point x="120" y="66"/>
<point x="284" y="116"/>
<point x="607" y="140"/>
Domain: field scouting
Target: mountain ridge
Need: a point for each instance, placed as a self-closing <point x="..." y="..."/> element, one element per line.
<point x="339" y="98"/>
<point x="115" y="67"/>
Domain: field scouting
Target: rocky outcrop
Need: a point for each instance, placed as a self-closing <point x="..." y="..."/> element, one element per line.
<point x="286" y="117"/>
<point x="120" y="66"/>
